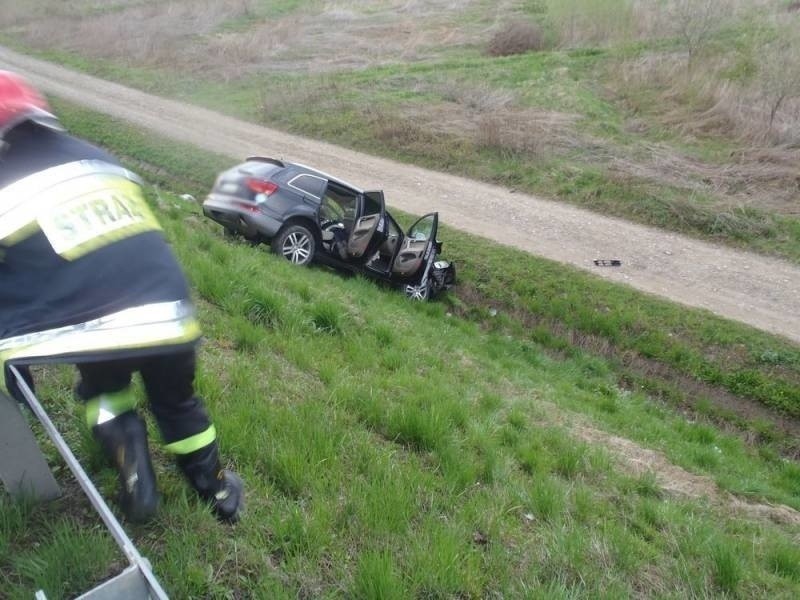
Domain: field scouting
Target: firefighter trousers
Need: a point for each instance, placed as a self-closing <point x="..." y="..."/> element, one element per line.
<point x="169" y="383"/>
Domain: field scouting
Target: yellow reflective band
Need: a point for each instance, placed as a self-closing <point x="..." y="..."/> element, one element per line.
<point x="80" y="207"/>
<point x="148" y="326"/>
<point x="105" y="407"/>
<point x="142" y="336"/>
<point x="21" y="234"/>
<point x="190" y="444"/>
<point x="17" y="194"/>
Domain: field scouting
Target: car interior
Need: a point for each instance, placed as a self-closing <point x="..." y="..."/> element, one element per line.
<point x="412" y="250"/>
<point x="386" y="252"/>
<point x="365" y="227"/>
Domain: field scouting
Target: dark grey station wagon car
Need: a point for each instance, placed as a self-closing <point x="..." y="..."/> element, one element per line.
<point x="307" y="215"/>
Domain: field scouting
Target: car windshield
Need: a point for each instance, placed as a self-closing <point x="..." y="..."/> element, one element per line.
<point x="422" y="229"/>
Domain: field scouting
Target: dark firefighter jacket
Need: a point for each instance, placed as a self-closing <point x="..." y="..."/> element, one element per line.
<point x="85" y="272"/>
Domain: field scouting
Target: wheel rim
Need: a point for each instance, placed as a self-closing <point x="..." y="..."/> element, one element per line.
<point x="297" y="248"/>
<point x="417" y="292"/>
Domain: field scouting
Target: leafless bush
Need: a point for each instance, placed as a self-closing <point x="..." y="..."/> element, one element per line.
<point x="779" y="73"/>
<point x="11" y="14"/>
<point x="696" y="20"/>
<point x="516" y="38"/>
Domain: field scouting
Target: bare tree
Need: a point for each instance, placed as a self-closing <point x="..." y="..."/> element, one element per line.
<point x="779" y="71"/>
<point x="695" y="22"/>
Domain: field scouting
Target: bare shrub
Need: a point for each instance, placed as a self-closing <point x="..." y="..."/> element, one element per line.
<point x="516" y="38"/>
<point x="490" y="134"/>
<point x="779" y="73"/>
<point x="696" y="20"/>
<point x="16" y="12"/>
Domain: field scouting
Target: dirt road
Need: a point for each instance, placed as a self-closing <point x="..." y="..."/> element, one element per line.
<point x="756" y="290"/>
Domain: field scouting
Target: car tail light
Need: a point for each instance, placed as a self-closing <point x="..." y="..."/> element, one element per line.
<point x="261" y="186"/>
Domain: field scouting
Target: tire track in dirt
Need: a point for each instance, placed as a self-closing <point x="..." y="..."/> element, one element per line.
<point x="676" y="481"/>
<point x="760" y="291"/>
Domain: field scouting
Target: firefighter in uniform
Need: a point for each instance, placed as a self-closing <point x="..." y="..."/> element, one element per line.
<point x="87" y="278"/>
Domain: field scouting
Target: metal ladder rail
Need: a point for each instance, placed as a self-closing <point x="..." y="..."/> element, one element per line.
<point x="139" y="565"/>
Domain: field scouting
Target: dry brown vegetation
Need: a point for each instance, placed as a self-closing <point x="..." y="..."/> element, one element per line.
<point x="516" y="38"/>
<point x="227" y="40"/>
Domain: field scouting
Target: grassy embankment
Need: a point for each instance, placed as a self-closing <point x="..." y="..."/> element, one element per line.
<point x="395" y="449"/>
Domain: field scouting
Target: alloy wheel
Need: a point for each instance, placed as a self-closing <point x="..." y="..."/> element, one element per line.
<point x="297" y="248"/>
<point x="418" y="292"/>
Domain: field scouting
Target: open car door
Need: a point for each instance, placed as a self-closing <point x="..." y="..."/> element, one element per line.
<point x="369" y="230"/>
<point x="417" y="250"/>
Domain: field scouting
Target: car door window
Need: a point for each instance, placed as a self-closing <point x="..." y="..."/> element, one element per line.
<point x="422" y="229"/>
<point x="372" y="204"/>
<point x="309" y="184"/>
<point x="340" y="204"/>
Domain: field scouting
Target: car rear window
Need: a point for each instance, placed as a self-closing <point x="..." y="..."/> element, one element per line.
<point x="259" y="169"/>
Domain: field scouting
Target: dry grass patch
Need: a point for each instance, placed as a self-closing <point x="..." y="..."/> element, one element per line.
<point x="758" y="178"/>
<point x="516" y="38"/>
<point x="676" y="481"/>
<point x="148" y="34"/>
<point x="228" y="38"/>
<point x="491" y="118"/>
<point x="508" y="129"/>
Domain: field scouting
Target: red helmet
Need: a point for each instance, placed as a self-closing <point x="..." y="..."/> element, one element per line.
<point x="19" y="101"/>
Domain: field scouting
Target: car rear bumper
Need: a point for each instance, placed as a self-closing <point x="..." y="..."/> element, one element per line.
<point x="248" y="223"/>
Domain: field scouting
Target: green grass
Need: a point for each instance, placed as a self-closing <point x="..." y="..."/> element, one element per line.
<point x="395" y="449"/>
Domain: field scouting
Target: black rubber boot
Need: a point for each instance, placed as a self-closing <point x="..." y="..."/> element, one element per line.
<point x="223" y="489"/>
<point x="124" y="439"/>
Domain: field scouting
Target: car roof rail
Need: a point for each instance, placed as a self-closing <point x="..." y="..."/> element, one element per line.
<point x="273" y="161"/>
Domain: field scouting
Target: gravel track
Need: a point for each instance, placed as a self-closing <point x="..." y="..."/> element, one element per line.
<point x="760" y="291"/>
